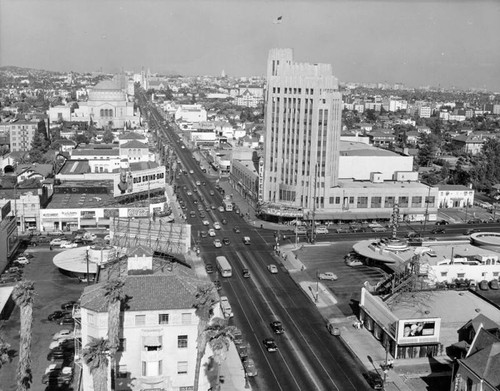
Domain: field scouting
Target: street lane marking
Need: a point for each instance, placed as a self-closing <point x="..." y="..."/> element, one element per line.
<point x="267" y="304"/>
<point x="300" y="332"/>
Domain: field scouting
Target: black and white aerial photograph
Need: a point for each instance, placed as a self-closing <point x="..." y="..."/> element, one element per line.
<point x="261" y="195"/>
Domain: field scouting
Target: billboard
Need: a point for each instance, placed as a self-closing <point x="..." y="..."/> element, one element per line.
<point x="419" y="331"/>
<point x="129" y="182"/>
<point x="6" y="210"/>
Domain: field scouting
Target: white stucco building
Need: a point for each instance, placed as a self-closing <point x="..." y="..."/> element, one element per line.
<point x="158" y="330"/>
<point x="455" y="196"/>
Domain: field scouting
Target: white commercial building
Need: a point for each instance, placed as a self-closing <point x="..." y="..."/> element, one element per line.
<point x="191" y="113"/>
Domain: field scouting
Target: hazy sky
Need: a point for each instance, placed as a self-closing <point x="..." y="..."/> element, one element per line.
<point x="447" y="43"/>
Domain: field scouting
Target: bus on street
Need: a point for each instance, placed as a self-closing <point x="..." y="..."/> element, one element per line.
<point x="228" y="206"/>
<point x="224" y="267"/>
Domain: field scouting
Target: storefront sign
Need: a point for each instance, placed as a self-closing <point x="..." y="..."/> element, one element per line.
<point x="111" y="213"/>
<point x="138" y="212"/>
<point x="87" y="214"/>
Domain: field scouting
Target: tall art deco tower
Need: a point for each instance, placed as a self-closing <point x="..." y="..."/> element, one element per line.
<point x="303" y="123"/>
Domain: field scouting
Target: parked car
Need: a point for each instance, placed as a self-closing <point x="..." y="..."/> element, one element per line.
<point x="221" y="208"/>
<point x="242" y="350"/>
<point x="236" y="229"/>
<point x="67" y="321"/>
<point x="374" y="380"/>
<point x="473" y="285"/>
<point x="224" y="221"/>
<point x="494" y="285"/>
<point x="218" y="285"/>
<point x="56" y="242"/>
<point x="226" y="241"/>
<point x="272" y="268"/>
<point x="203" y="234"/>
<point x="328" y="276"/>
<point x="245" y="273"/>
<point x="211" y="232"/>
<point x="211" y="192"/>
<point x="68" y="245"/>
<point x="68" y="306"/>
<point x="63" y="334"/>
<point x="216" y="225"/>
<point x="217" y="243"/>
<point x="249" y="366"/>
<point x="6" y="279"/>
<point x="58" y="315"/>
<point x="442" y="222"/>
<point x="483" y="285"/>
<point x="277" y="327"/>
<point x="270" y="345"/>
<point x="22" y="260"/>
<point x="209" y="268"/>
<point x="353" y="262"/>
<point x="206" y="222"/>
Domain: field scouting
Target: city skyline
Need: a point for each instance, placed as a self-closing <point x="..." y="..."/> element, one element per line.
<point x="424" y="43"/>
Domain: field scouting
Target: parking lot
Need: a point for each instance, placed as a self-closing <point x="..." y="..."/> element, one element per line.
<point x="52" y="289"/>
<point x="322" y="258"/>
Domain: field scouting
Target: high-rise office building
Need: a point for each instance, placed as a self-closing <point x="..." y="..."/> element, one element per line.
<point x="303" y="124"/>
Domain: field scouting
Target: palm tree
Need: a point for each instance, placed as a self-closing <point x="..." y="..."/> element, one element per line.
<point x="220" y="336"/>
<point x="23" y="294"/>
<point x="205" y="298"/>
<point x="113" y="292"/>
<point x="95" y="355"/>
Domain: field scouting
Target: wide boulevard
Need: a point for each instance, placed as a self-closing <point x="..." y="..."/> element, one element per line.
<point x="308" y="357"/>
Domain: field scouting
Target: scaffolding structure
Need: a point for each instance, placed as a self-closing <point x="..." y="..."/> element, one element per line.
<point x="158" y="235"/>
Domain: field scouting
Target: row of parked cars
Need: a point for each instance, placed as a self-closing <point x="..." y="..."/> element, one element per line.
<point x="14" y="270"/>
<point x="59" y="372"/>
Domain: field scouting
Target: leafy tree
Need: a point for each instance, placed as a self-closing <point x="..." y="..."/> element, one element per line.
<point x="95" y="355"/>
<point x="428" y="149"/>
<point x="81" y="139"/>
<point x="108" y="136"/>
<point x="23" y="295"/>
<point x="206" y="297"/>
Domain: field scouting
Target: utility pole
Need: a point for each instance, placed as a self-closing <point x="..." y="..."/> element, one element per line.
<point x="313" y="227"/>
<point x="426" y="209"/>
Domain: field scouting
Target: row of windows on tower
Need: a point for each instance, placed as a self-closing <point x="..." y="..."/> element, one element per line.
<point x="292" y="90"/>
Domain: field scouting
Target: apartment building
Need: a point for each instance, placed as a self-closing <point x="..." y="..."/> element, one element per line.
<point x="158" y="329"/>
<point x="22" y="134"/>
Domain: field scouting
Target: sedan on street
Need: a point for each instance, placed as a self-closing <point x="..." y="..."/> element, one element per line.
<point x="327" y="276"/>
<point x="272" y="268"/>
<point x="270" y="345"/>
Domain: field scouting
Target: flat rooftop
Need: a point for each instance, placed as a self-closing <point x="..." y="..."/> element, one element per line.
<point x="346" y="183"/>
<point x="455" y="308"/>
<point x="353" y="148"/>
<point x="69" y="201"/>
<point x="459" y="249"/>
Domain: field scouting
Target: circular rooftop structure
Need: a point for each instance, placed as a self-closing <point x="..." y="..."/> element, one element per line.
<point x="487" y="240"/>
<point x="390" y="251"/>
<point x="73" y="262"/>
